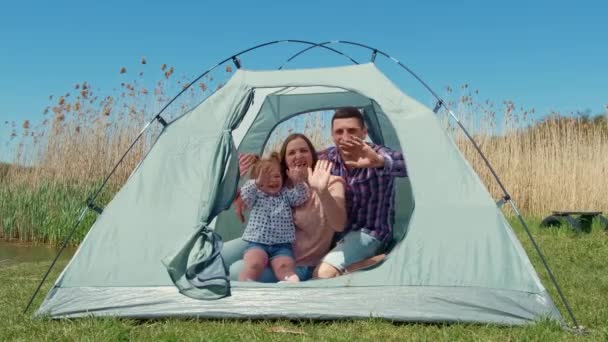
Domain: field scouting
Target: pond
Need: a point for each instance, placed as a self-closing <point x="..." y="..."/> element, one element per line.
<point x="15" y="253"/>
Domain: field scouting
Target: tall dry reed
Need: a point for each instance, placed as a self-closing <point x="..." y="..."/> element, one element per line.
<point x="63" y="159"/>
<point x="547" y="163"/>
<point x="82" y="136"/>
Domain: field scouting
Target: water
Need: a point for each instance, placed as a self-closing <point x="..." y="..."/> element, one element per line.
<point x="16" y="253"/>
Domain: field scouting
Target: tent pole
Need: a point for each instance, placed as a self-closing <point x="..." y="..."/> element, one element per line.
<point x="322" y="45"/>
<point x="235" y="56"/>
<point x="485" y="160"/>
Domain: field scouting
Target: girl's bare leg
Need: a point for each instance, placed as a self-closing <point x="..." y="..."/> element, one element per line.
<point x="255" y="261"/>
<point x="283" y="268"/>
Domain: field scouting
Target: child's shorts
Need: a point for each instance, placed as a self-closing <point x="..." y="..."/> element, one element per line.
<point x="273" y="251"/>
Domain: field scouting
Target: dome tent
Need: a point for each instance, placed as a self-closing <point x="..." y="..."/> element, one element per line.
<point x="455" y="256"/>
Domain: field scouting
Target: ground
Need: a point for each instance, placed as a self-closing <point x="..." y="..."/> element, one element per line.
<point x="579" y="264"/>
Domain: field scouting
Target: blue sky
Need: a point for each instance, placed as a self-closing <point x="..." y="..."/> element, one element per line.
<point x="545" y="55"/>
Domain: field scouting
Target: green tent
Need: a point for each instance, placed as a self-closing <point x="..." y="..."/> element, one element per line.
<point x="455" y="257"/>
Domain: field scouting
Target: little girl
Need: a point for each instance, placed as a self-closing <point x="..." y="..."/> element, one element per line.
<point x="270" y="231"/>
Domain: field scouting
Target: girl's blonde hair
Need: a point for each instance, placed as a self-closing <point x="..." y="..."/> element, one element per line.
<point x="272" y="159"/>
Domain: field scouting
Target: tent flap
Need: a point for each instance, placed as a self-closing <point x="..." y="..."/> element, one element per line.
<point x="198" y="269"/>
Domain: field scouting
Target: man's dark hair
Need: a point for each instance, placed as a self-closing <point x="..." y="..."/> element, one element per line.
<point x="347" y="113"/>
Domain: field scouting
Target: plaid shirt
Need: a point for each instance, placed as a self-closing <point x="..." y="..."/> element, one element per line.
<point x="370" y="192"/>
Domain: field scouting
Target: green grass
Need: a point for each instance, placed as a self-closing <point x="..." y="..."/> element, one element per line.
<point x="44" y="213"/>
<point x="579" y="263"/>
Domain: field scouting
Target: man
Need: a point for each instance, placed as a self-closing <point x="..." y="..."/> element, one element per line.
<point x="369" y="171"/>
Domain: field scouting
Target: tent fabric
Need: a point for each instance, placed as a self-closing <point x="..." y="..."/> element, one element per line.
<point x="402" y="303"/>
<point x="198" y="270"/>
<point x="457" y="259"/>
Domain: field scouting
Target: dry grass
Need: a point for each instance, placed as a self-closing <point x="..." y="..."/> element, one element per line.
<point x="62" y="157"/>
<point x="81" y="135"/>
<point x="551" y="163"/>
<point x="554" y="162"/>
<point x="558" y="165"/>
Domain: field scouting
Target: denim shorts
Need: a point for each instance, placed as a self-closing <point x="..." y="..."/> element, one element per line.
<point x="273" y="251"/>
<point x="354" y="247"/>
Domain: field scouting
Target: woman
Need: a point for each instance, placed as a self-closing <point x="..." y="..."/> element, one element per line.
<point x="316" y="221"/>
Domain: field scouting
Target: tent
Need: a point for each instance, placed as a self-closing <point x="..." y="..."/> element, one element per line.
<point x="455" y="256"/>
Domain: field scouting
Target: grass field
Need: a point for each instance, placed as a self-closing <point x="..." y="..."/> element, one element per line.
<point x="579" y="263"/>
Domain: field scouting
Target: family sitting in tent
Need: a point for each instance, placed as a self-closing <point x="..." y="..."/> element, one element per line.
<point x="345" y="194"/>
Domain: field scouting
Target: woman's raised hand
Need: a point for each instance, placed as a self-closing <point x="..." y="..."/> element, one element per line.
<point x="318" y="179"/>
<point x="246" y="160"/>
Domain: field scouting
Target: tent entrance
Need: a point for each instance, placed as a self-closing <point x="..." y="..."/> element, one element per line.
<point x="272" y="108"/>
